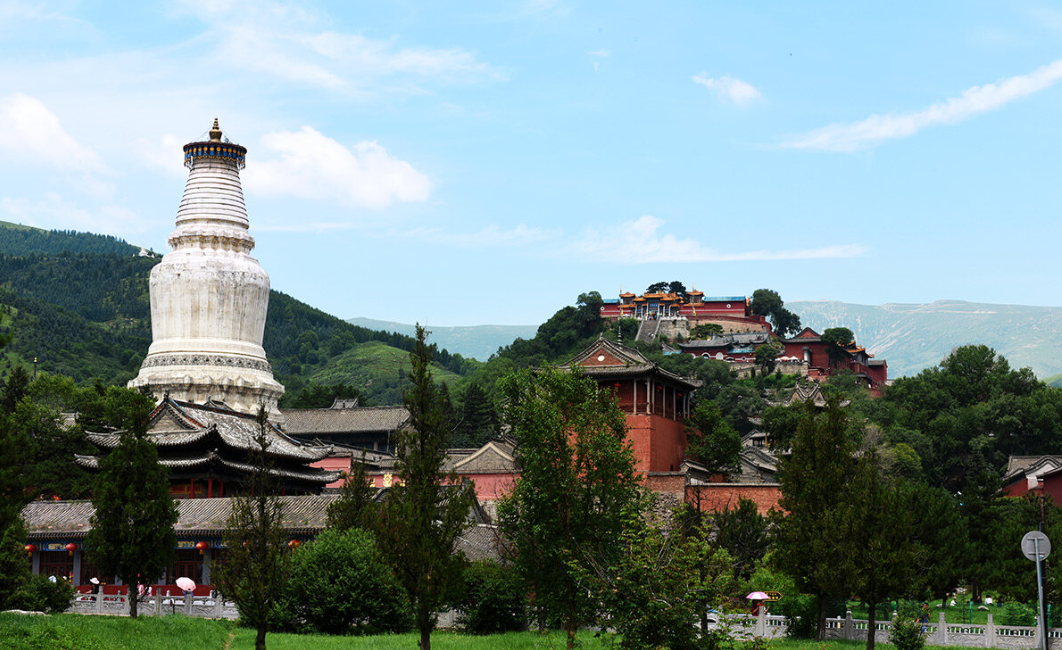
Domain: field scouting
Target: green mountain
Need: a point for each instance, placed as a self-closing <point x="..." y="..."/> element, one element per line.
<point x="915" y="337"/>
<point x="79" y="304"/>
<point x="475" y="342"/>
<point x="21" y="241"/>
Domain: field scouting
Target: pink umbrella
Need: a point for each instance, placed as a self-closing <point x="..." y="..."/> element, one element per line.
<point x="186" y="584"/>
<point x="757" y="595"/>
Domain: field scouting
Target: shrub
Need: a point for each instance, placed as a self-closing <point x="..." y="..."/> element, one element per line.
<point x="492" y="599"/>
<point x="39" y="594"/>
<point x="907" y="634"/>
<point x="340" y="585"/>
<point x="1017" y="614"/>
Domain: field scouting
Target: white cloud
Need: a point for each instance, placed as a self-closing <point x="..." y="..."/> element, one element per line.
<point x="879" y="128"/>
<point x="290" y="42"/>
<point x="727" y="87"/>
<point x="638" y="242"/>
<point x="31" y="132"/>
<point x="166" y="152"/>
<point x="599" y="54"/>
<point x="489" y="237"/>
<point x="52" y="211"/>
<point x="313" y="166"/>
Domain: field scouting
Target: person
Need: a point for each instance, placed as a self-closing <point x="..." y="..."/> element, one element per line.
<point x="95" y="586"/>
<point x="923" y="617"/>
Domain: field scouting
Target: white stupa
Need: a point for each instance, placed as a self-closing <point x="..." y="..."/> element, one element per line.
<point x="209" y="296"/>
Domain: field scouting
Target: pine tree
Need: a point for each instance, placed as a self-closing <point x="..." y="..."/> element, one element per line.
<point x="427" y="507"/>
<point x="254" y="571"/>
<point x="355" y="507"/>
<point x="132" y="528"/>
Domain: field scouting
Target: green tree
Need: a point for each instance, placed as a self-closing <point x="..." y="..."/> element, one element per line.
<point x="339" y="583"/>
<point x="663" y="579"/>
<point x="705" y="331"/>
<point x="742" y="532"/>
<point x="478" y="419"/>
<point x="781" y="424"/>
<point x="577" y="481"/>
<point x="428" y="507"/>
<point x="14" y="388"/>
<point x="766" y="302"/>
<point x="878" y="528"/>
<point x="837" y="339"/>
<point x="812" y="480"/>
<point x="255" y="568"/>
<point x="131" y="533"/>
<point x="711" y="440"/>
<point x="318" y="396"/>
<point x="356" y="505"/>
<point x="766" y="358"/>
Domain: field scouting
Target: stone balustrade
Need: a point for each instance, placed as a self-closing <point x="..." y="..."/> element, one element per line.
<point x="157" y="605"/>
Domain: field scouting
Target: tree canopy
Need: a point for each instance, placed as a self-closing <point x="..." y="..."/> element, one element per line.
<point x="766" y="302"/>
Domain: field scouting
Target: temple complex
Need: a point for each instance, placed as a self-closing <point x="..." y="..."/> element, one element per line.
<point x="209" y="297"/>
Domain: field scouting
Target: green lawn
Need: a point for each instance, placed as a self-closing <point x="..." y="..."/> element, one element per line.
<point x="76" y="632"/>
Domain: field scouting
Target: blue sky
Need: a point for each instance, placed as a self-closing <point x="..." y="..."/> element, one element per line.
<point x="461" y="163"/>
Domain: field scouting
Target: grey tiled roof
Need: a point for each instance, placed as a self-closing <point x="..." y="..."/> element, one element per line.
<point x="175" y="423"/>
<point x="479" y="542"/>
<point x="66" y="519"/>
<point x="634" y="364"/>
<point x="305" y="422"/>
<point x="495" y="456"/>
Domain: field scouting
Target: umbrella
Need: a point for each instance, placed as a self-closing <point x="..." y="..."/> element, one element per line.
<point x="757" y="595"/>
<point x="186" y="584"/>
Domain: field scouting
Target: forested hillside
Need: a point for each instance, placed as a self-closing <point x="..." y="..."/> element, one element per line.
<point x="21" y="241"/>
<point x="80" y="304"/>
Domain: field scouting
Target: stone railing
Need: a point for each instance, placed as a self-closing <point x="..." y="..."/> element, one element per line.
<point x="157" y="605"/>
<point x="940" y="633"/>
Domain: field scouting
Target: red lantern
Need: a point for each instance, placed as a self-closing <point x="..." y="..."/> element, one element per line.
<point x="202" y="546"/>
<point x="294" y="544"/>
<point x="31" y="549"/>
<point x="71" y="547"/>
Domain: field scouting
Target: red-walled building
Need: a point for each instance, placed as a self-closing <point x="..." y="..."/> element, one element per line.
<point x="1040" y="475"/>
<point x="656" y="401"/>
<point x="809" y="347"/>
<point x="670" y="305"/>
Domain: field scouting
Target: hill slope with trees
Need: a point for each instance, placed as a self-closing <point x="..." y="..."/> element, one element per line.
<point x="79" y="304"/>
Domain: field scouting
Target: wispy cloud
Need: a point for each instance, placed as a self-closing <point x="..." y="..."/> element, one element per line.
<point x="311" y="165"/>
<point x="599" y="54"/>
<point x="53" y="211"/>
<point x="29" y="131"/>
<point x="879" y="128"/>
<point x="492" y="236"/>
<point x="729" y="88"/>
<point x="291" y="43"/>
<point x="640" y="242"/>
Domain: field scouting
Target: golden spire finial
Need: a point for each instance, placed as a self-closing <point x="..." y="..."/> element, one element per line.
<point x="215" y="133"/>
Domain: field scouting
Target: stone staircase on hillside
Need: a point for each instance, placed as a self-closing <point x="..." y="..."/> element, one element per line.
<point x="647" y="330"/>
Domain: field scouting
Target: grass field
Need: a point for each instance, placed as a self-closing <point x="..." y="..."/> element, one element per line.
<point x="75" y="632"/>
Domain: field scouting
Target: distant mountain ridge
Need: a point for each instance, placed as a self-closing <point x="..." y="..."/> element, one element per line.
<point x="913" y="337"/>
<point x="475" y="341"/>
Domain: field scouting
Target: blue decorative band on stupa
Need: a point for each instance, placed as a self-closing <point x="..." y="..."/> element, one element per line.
<point x="220" y="150"/>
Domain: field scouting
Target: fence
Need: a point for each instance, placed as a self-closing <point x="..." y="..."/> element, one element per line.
<point x="157" y="605"/>
<point x="941" y="633"/>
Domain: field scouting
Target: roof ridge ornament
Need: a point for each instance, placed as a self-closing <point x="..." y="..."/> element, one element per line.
<point x="215" y="133"/>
